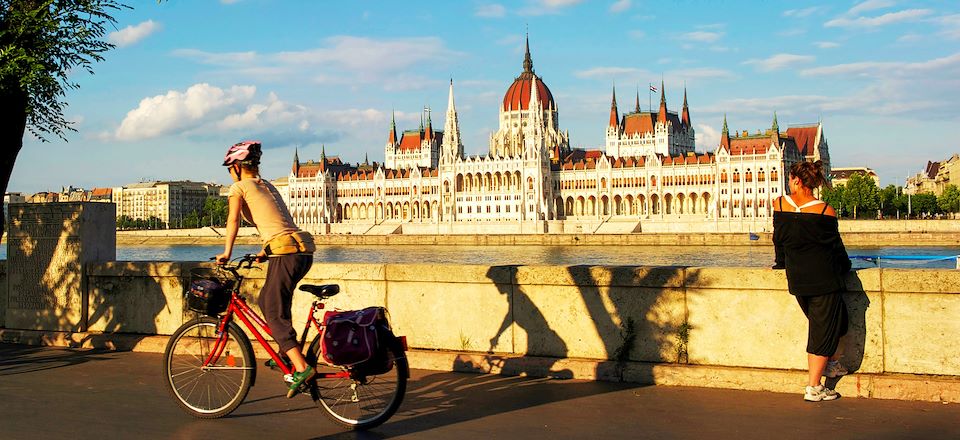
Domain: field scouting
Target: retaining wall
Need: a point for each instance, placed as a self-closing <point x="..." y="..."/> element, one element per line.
<point x="902" y="321"/>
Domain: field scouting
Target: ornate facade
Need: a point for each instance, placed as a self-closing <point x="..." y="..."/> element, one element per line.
<point x="648" y="172"/>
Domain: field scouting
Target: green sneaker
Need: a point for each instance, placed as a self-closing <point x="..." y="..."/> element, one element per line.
<point x="272" y="364"/>
<point x="299" y="377"/>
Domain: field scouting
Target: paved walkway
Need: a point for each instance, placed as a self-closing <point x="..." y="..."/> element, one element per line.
<point x="55" y="393"/>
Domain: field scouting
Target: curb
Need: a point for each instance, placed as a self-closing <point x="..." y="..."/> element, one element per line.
<point x="945" y="389"/>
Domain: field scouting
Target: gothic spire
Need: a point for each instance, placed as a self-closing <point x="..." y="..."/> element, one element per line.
<point x="775" y="127"/>
<point x="613" y="109"/>
<point x="637" y="107"/>
<point x="452" y="147"/>
<point x="662" y="114"/>
<point x="527" y="61"/>
<point x="296" y="161"/>
<point x="685" y="114"/>
<point x="392" y="140"/>
<point x="725" y="134"/>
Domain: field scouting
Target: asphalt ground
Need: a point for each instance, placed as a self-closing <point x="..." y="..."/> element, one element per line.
<point x="57" y="393"/>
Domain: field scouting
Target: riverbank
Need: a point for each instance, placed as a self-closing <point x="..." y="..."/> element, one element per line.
<point x="126" y="238"/>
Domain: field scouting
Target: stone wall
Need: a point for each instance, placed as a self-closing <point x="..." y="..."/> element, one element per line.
<point x="902" y="321"/>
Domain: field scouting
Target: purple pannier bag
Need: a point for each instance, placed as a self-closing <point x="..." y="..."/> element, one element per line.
<point x="350" y="337"/>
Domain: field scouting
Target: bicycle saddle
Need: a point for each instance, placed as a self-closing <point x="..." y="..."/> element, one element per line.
<point x="322" y="290"/>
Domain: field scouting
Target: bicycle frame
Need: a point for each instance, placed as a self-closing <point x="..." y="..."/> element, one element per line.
<point x="238" y="307"/>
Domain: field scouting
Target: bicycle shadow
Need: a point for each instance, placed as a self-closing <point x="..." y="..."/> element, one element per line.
<point x="444" y="399"/>
<point x="21" y="359"/>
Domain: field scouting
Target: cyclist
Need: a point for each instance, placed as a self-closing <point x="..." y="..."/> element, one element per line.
<point x="289" y="250"/>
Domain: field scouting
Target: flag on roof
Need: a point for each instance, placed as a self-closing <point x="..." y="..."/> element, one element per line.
<point x="653" y="88"/>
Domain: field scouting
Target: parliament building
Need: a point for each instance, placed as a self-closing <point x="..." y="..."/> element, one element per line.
<point x="648" y="177"/>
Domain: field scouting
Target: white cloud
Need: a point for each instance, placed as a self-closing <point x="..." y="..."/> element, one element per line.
<point x="779" y="61"/>
<point x="703" y="73"/>
<point x="217" y="59"/>
<point x="178" y="111"/>
<point x="945" y="65"/>
<point x="542" y="7"/>
<point x="882" y="20"/>
<point x="358" y="60"/>
<point x="870" y="5"/>
<point x="559" y="3"/>
<point x="637" y="34"/>
<point x="133" y="34"/>
<point x="801" y="13"/>
<point x="951" y="26"/>
<point x="620" y="6"/>
<point x="702" y="36"/>
<point x="605" y="72"/>
<point x="360" y="54"/>
<point x="909" y="38"/>
<point x="826" y="44"/>
<point x="260" y="116"/>
<point x="707" y="137"/>
<point x="492" y="10"/>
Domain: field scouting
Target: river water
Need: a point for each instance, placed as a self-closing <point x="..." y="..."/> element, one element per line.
<point x="733" y="256"/>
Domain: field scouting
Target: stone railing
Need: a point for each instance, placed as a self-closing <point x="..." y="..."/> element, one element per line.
<point x="902" y="321"/>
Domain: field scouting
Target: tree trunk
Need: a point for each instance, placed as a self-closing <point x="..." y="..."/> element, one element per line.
<point x="11" y="134"/>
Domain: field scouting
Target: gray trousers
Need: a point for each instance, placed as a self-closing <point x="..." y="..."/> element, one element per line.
<point x="276" y="296"/>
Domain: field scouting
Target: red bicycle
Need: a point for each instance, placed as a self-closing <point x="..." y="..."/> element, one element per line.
<point x="209" y="362"/>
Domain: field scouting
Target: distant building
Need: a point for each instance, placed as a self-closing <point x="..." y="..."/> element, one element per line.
<point x="12" y="197"/>
<point x="840" y="175"/>
<point x="935" y="176"/>
<point x="44" y="197"/>
<point x="101" y="195"/>
<point x="647" y="170"/>
<point x="71" y="194"/>
<point x="170" y="202"/>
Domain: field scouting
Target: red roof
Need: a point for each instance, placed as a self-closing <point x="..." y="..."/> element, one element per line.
<point x="805" y="137"/>
<point x="518" y="95"/>
<point x="101" y="192"/>
<point x="750" y="145"/>
<point x="640" y="123"/>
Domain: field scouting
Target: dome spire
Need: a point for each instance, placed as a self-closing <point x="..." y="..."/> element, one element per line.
<point x="527" y="61"/>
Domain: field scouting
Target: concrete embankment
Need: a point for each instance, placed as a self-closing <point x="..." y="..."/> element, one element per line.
<point x="714" y="327"/>
<point x="854" y="232"/>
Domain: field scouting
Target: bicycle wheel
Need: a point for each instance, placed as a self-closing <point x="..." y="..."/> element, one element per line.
<point x="354" y="401"/>
<point x="212" y="390"/>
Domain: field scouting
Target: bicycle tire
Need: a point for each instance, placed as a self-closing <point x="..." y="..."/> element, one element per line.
<point x="216" y="390"/>
<point x="359" y="403"/>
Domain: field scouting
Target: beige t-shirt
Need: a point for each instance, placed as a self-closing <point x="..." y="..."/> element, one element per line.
<point x="264" y="208"/>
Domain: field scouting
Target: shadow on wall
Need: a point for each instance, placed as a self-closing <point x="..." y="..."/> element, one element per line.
<point x="52" y="289"/>
<point x="853" y="346"/>
<point x="541" y="339"/>
<point x="128" y="297"/>
<point x="636" y="316"/>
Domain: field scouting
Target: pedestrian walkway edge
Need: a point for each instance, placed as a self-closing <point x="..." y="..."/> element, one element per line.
<point x="944" y="389"/>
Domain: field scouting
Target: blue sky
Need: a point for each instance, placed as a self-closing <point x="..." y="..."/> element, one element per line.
<point x="189" y="78"/>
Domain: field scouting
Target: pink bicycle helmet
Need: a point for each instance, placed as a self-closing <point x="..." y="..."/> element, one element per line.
<point x="246" y="153"/>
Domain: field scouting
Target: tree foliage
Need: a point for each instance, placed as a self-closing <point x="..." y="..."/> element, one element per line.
<point x="949" y="200"/>
<point x="41" y="44"/>
<point x="861" y="194"/>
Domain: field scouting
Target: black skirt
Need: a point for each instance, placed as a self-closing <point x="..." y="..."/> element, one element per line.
<point x="827" y="315"/>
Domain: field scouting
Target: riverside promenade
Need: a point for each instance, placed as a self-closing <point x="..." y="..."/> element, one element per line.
<point x="55" y="393"/>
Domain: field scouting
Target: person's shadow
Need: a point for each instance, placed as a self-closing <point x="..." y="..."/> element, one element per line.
<point x="854" y="344"/>
<point x="544" y="346"/>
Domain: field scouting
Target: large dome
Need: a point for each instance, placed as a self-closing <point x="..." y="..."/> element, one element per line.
<point x="518" y="95"/>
